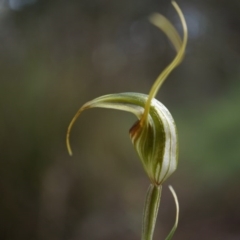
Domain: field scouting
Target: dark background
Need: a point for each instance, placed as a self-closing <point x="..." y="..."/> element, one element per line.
<point x="55" y="56"/>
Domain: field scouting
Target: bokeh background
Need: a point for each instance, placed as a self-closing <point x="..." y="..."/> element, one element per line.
<point x="56" y="55"/>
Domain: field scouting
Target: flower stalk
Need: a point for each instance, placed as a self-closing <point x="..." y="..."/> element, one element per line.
<point x="150" y="211"/>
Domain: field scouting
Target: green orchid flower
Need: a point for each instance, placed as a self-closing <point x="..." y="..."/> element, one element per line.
<point x="154" y="135"/>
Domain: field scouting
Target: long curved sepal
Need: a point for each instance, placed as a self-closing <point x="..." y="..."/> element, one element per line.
<point x="179" y="44"/>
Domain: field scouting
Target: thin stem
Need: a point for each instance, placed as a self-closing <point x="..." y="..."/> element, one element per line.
<point x="150" y="213"/>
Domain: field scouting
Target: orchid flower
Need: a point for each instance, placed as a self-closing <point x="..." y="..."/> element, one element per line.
<point x="154" y="134"/>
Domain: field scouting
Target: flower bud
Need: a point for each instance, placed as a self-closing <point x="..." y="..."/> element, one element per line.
<point x="156" y="143"/>
<point x="155" y="140"/>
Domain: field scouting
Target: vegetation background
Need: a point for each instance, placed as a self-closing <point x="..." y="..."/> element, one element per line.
<point x="56" y="55"/>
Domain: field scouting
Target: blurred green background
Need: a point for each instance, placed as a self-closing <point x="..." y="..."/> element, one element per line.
<point x="55" y="56"/>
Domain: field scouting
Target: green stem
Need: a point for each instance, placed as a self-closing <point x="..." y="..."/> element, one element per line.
<point x="150" y="211"/>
